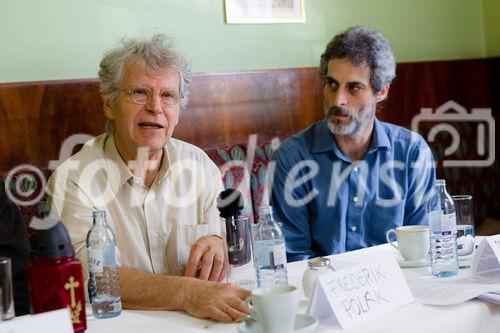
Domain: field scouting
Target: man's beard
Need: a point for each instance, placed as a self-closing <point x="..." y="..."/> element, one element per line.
<point x="358" y="121"/>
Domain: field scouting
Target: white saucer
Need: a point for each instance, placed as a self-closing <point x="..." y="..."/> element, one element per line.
<point x="304" y="323"/>
<point x="414" y="263"/>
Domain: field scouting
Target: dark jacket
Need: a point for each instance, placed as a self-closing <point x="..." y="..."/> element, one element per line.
<point x="14" y="244"/>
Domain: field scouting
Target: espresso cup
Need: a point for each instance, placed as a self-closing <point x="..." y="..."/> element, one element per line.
<point x="274" y="308"/>
<point x="413" y="241"/>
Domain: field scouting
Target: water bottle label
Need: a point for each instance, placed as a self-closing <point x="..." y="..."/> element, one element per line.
<point x="100" y="256"/>
<point x="448" y="224"/>
<point x="109" y="255"/>
<point x="272" y="256"/>
<point x="95" y="260"/>
<point x="279" y="256"/>
<point x="434" y="218"/>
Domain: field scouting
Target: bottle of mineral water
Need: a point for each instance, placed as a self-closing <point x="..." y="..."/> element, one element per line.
<point x="443" y="233"/>
<point x="269" y="250"/>
<point x="104" y="284"/>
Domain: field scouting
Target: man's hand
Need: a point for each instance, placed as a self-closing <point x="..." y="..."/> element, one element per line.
<point x="220" y="302"/>
<point x="207" y="256"/>
<point x="202" y="299"/>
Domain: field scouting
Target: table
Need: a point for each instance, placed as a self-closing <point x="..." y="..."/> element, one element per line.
<point x="471" y="316"/>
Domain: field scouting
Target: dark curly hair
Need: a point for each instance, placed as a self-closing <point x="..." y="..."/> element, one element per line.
<point x="362" y="46"/>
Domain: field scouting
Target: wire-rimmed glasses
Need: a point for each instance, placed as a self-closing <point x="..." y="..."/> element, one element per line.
<point x="141" y="96"/>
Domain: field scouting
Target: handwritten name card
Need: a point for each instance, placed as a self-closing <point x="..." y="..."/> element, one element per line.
<point x="360" y="292"/>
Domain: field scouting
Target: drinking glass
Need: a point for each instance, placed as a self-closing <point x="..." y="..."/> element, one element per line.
<point x="6" y="295"/>
<point x="465" y="228"/>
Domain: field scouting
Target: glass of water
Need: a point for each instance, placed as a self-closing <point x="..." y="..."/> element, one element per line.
<point x="465" y="228"/>
<point x="6" y="295"/>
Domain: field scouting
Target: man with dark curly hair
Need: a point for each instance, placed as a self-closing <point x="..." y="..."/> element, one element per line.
<point x="340" y="184"/>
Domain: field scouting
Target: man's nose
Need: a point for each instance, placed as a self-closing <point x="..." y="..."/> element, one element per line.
<point x="154" y="103"/>
<point x="340" y="98"/>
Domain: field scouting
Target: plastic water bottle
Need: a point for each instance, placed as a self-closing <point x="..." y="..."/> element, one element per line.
<point x="269" y="250"/>
<point x="443" y="235"/>
<point x="104" y="283"/>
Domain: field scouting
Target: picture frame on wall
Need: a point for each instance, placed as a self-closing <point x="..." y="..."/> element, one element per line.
<point x="264" y="11"/>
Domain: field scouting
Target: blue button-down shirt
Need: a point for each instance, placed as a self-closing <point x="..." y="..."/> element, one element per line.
<point x="331" y="204"/>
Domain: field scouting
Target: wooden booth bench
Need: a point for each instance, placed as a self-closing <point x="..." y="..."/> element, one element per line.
<point x="235" y="117"/>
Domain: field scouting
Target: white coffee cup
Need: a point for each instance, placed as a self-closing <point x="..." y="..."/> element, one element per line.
<point x="413" y="241"/>
<point x="274" y="308"/>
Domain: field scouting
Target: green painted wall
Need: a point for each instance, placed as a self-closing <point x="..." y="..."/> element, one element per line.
<point x="64" y="39"/>
<point x="491" y="10"/>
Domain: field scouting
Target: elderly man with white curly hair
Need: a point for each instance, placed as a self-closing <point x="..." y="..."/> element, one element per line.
<point x="342" y="183"/>
<point x="159" y="193"/>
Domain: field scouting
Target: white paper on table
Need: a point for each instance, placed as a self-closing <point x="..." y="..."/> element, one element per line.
<point x="57" y="321"/>
<point x="486" y="260"/>
<point x="432" y="290"/>
<point x="493" y="297"/>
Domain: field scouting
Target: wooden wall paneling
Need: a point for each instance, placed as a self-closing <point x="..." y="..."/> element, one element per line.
<point x="470" y="83"/>
<point x="225" y="108"/>
<point x="37" y="117"/>
<point x="430" y="84"/>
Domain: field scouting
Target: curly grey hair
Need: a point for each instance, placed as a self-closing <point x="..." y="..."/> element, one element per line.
<point x="155" y="54"/>
<point x="362" y="45"/>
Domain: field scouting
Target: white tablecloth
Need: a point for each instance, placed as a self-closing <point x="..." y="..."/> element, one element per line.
<point x="470" y="316"/>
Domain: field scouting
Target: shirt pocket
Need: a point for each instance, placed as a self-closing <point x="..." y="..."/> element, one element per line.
<point x="187" y="235"/>
<point x="382" y="218"/>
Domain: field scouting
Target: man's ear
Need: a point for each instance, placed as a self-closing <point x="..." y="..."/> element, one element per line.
<point x="107" y="105"/>
<point x="382" y="94"/>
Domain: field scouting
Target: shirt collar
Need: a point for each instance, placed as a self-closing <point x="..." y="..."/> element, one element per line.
<point x="380" y="138"/>
<point x="124" y="172"/>
<point x="324" y="140"/>
<point x="166" y="161"/>
<point x="114" y="162"/>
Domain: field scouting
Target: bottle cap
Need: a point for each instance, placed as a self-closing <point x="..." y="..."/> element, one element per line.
<point x="265" y="209"/>
<point x="230" y="203"/>
<point x="99" y="213"/>
<point x="51" y="243"/>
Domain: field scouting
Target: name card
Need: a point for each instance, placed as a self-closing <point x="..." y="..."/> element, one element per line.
<point x="360" y="292"/>
<point x="57" y="321"/>
<point x="486" y="259"/>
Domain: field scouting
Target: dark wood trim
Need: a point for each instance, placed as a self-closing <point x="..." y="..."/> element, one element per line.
<point x="48" y="83"/>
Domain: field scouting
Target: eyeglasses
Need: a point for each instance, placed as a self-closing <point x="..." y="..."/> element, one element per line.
<point x="141" y="96"/>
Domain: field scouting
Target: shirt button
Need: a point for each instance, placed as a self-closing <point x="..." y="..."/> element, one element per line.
<point x="356" y="169"/>
<point x="355" y="199"/>
<point x="354" y="228"/>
